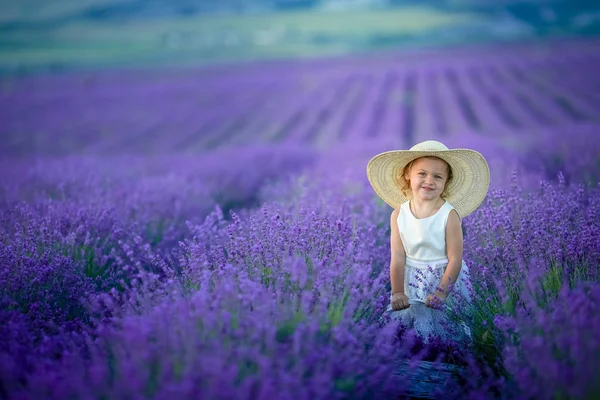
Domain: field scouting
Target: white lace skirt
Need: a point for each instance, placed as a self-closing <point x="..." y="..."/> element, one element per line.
<point x="448" y="324"/>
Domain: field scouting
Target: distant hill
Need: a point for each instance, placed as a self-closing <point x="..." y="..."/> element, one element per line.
<point x="63" y="34"/>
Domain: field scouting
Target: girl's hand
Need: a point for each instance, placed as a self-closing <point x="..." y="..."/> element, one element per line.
<point x="436" y="301"/>
<point x="399" y="301"/>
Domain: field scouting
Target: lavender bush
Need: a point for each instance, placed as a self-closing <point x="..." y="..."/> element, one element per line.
<point x="271" y="287"/>
<point x="72" y="228"/>
<point x="552" y="349"/>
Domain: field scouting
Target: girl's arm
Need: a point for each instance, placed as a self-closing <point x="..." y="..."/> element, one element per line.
<point x="454" y="249"/>
<point x="398" y="256"/>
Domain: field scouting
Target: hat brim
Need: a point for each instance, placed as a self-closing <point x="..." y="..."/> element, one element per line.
<point x="466" y="191"/>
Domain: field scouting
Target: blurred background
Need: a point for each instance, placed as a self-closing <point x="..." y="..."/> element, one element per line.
<point x="106" y="76"/>
<point x="64" y="34"/>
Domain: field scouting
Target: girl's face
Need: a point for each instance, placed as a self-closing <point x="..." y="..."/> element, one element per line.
<point x="427" y="177"/>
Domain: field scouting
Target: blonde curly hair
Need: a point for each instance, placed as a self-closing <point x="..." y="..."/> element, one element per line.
<point x="405" y="184"/>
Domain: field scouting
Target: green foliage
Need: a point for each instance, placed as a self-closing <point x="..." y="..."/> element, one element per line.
<point x="335" y="311"/>
<point x="246" y="367"/>
<point x="552" y="281"/>
<point x="154" y="232"/>
<point x="345" y="384"/>
<point x="287" y="328"/>
<point x="487" y="345"/>
<point x="155" y="368"/>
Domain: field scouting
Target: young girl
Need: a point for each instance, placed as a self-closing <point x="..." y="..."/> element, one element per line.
<point x="430" y="188"/>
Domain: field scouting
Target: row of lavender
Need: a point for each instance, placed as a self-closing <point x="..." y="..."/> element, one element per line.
<point x="493" y="92"/>
<point x="118" y="281"/>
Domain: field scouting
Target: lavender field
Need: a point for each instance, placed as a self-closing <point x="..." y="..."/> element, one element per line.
<point x="210" y="233"/>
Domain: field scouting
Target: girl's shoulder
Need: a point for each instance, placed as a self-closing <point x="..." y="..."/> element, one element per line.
<point x="405" y="206"/>
<point x="448" y="205"/>
<point x="450" y="210"/>
<point x="398" y="211"/>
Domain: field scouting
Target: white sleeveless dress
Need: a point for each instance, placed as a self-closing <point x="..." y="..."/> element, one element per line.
<point x="424" y="243"/>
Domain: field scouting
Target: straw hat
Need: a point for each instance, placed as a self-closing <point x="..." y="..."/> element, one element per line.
<point x="466" y="191"/>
